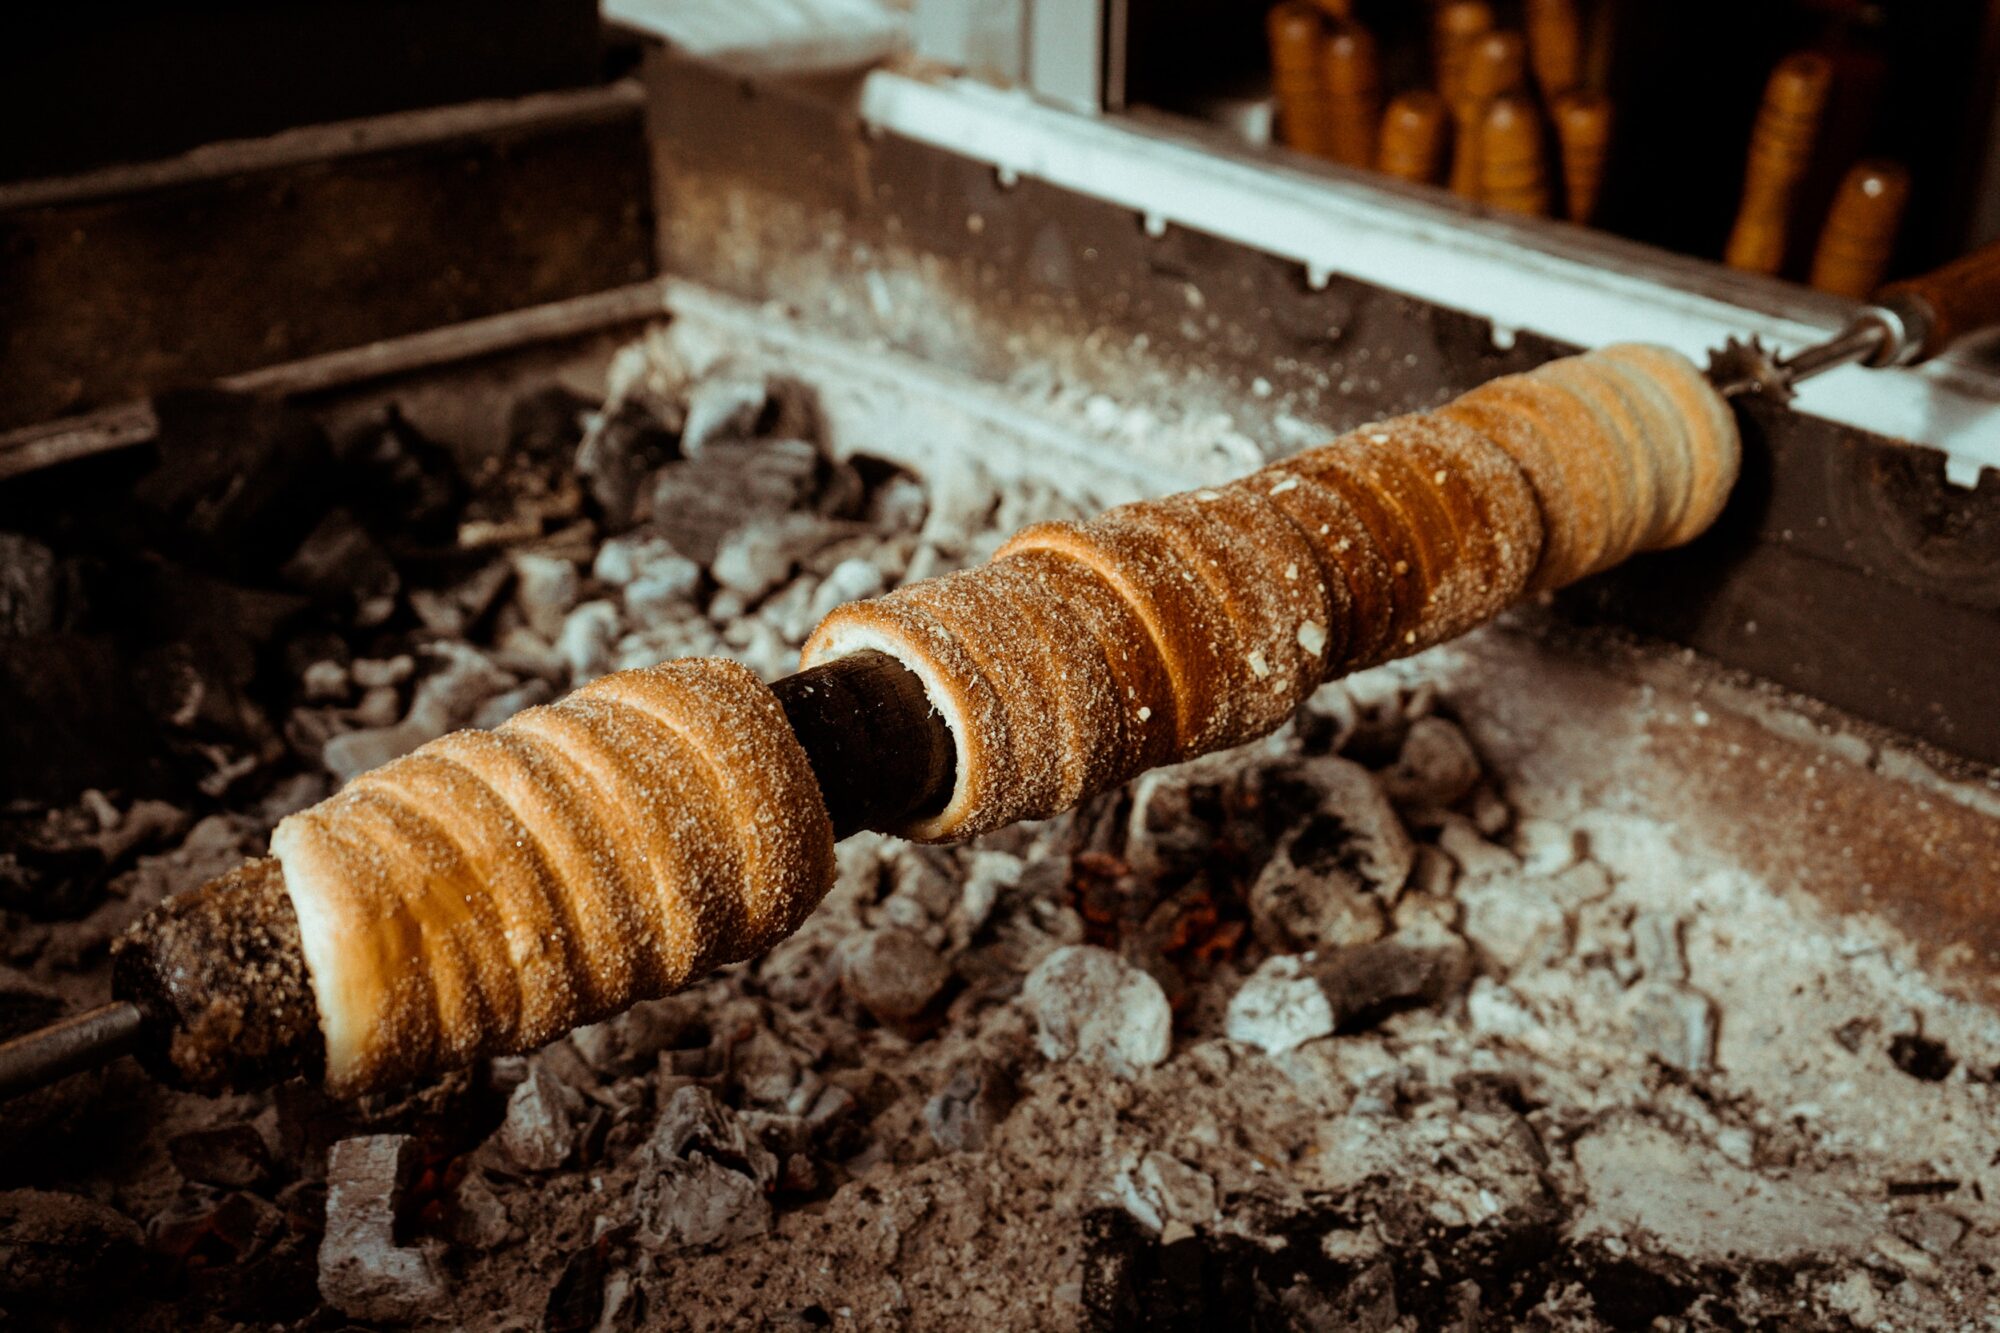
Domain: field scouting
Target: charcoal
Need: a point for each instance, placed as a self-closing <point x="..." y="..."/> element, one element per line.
<point x="546" y="424"/>
<point x="59" y="1249"/>
<point x="723" y="406"/>
<point x="1437" y="765"/>
<point x="1166" y="1195"/>
<point x="340" y="563"/>
<point x="479" y="1217"/>
<point x="968" y="1109"/>
<point x="226" y="1156"/>
<point x="1312" y="893"/>
<point x="1513" y="929"/>
<point x="1476" y="855"/>
<point x="624" y="560"/>
<point x="1092" y="1006"/>
<point x="377" y="708"/>
<point x="1356" y="827"/>
<point x="621" y="446"/>
<point x="503" y="706"/>
<point x="699" y="1204"/>
<point x="239" y="478"/>
<point x="1656" y="947"/>
<point x="849" y="581"/>
<point x="698" y="502"/>
<point x="1280" y="1007"/>
<point x="755" y="559"/>
<point x="893" y="974"/>
<point x="445" y="699"/>
<point x="325" y="682"/>
<point x="540" y="1131"/>
<point x="235" y="1227"/>
<point x="632" y="1039"/>
<point x="403" y="486"/>
<point x="662" y="599"/>
<point x="1675" y="1023"/>
<point x="453" y="612"/>
<point x="765" y="1069"/>
<point x="586" y="640"/>
<point x="377" y="673"/>
<point x="898" y="504"/>
<point x="694" y="1123"/>
<point x="363" y="1272"/>
<point x="1293" y="999"/>
<point x="545" y="588"/>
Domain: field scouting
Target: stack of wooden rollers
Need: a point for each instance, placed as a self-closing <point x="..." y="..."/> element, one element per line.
<point x="1859" y="235"/>
<point x="1165" y="629"/>
<point x="1481" y="127"/>
<point x="1501" y="97"/>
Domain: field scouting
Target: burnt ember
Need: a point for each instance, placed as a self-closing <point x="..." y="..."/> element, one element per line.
<point x="1404" y="1019"/>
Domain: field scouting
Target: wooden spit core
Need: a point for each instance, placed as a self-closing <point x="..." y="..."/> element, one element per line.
<point x="1781" y="148"/>
<point x="1297" y="33"/>
<point x="1353" y="81"/>
<point x="1513" y="176"/>
<point x="1495" y="66"/>
<point x="1860" y="231"/>
<point x="1413" y="141"/>
<point x="1583" y="133"/>
<point x="1555" y="45"/>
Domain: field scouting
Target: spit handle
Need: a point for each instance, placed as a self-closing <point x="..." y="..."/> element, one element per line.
<point x="1962" y="297"/>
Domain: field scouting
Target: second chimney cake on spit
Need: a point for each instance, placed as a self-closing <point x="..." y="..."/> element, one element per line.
<point x="490" y="891"/>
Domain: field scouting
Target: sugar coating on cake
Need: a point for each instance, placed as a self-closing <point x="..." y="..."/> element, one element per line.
<point x="491" y="891"/>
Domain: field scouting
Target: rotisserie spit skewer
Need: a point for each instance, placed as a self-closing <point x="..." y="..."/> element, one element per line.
<point x="1080" y="656"/>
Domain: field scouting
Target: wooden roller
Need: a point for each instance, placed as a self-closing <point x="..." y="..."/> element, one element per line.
<point x="1495" y="66"/>
<point x="1352" y="80"/>
<point x="1513" y="171"/>
<point x="1583" y="134"/>
<point x="1781" y="149"/>
<point x="1413" y="138"/>
<point x="1860" y="230"/>
<point x="1297" y="32"/>
<point x="1457" y="25"/>
<point x="1555" y="46"/>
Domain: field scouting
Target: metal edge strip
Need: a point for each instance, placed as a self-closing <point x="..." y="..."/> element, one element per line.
<point x="1534" y="276"/>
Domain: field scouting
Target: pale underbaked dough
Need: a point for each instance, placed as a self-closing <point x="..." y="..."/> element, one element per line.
<point x="493" y="890"/>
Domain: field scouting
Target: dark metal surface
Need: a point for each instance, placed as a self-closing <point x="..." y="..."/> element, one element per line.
<point x="779" y="194"/>
<point x="64" y="1047"/>
<point x="82" y="85"/>
<point x="252" y="254"/>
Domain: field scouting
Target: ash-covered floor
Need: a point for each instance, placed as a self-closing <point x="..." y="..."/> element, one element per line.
<point x="1490" y="994"/>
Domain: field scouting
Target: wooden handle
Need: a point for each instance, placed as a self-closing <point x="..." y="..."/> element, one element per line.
<point x="1495" y="66"/>
<point x="1413" y="138"/>
<point x="1781" y="147"/>
<point x="1353" y="81"/>
<point x="1459" y="24"/>
<point x="1297" y="33"/>
<point x="1513" y="175"/>
<point x="1963" y="297"/>
<point x="1583" y="130"/>
<point x="1555" y="46"/>
<point x="1860" y="230"/>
